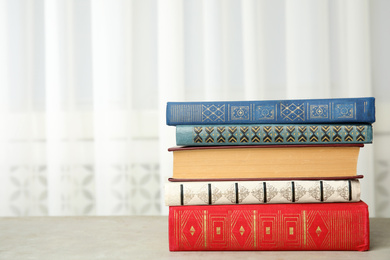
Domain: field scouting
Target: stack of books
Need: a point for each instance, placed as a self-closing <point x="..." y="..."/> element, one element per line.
<point x="268" y="175"/>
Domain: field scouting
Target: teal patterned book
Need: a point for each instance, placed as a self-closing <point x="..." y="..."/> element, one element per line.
<point x="304" y="111"/>
<point x="203" y="135"/>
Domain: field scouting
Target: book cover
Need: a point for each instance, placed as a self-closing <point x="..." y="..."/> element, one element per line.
<point x="259" y="134"/>
<point x="259" y="192"/>
<point x="310" y="178"/>
<point x="345" y="110"/>
<point x="265" y="161"/>
<point x="321" y="226"/>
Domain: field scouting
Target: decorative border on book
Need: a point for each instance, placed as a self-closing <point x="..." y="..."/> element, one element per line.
<point x="213" y="113"/>
<point x="240" y="113"/>
<point x="282" y="134"/>
<point x="254" y="192"/>
<point x="294" y="111"/>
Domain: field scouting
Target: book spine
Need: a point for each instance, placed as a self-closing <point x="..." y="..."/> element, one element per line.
<point x="350" y="110"/>
<point x="332" y="226"/>
<point x="256" y="134"/>
<point x="259" y="192"/>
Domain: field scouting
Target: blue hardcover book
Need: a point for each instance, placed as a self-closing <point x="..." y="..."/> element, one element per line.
<point x="303" y="111"/>
<point x="204" y="135"/>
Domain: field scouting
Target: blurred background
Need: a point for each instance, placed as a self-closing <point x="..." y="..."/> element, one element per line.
<point x="84" y="84"/>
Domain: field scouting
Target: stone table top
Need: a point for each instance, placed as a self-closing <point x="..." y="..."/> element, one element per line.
<point x="140" y="237"/>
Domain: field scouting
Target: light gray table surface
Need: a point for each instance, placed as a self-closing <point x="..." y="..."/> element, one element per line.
<point x="139" y="238"/>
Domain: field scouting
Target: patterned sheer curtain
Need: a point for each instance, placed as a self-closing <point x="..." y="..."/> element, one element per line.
<point x="79" y="107"/>
<point x="84" y="83"/>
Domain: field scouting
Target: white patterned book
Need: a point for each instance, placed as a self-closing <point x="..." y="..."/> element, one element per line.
<point x="258" y="192"/>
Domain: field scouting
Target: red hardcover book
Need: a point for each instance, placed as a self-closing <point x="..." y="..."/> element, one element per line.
<point x="333" y="226"/>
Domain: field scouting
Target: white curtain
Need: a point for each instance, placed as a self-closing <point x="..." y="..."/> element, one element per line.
<point x="84" y="84"/>
<point x="79" y="107"/>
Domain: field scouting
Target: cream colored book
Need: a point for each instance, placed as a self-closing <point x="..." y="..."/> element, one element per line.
<point x="259" y="192"/>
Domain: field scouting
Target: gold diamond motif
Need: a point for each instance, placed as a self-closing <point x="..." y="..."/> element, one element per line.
<point x="318" y="231"/>
<point x="192" y="230"/>
<point x="242" y="230"/>
<point x="292" y="111"/>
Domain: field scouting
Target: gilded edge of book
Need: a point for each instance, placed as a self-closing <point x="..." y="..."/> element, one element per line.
<point x="331" y="226"/>
<point x="261" y="192"/>
<point x="207" y="135"/>
<point x="357" y="110"/>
